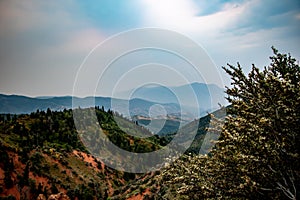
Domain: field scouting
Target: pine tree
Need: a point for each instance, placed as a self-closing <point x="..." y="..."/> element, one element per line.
<point x="7" y="180"/>
<point x="25" y="180"/>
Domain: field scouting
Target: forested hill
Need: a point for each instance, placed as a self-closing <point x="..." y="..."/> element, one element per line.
<point x="42" y="153"/>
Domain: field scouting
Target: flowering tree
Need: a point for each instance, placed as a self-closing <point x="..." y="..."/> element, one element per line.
<point x="257" y="155"/>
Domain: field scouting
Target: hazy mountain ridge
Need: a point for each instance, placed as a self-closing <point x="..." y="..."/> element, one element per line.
<point x="15" y="104"/>
<point x="206" y="95"/>
<point x="206" y="99"/>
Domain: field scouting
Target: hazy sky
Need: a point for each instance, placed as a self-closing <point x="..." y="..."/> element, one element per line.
<point x="43" y="43"/>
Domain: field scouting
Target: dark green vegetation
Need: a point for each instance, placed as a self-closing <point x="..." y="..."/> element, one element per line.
<point x="42" y="145"/>
<point x="257" y="155"/>
<point x="42" y="153"/>
<point x="170" y="126"/>
<point x="27" y="132"/>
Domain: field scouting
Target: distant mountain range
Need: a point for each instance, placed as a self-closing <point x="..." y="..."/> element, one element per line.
<point x="175" y="101"/>
<point x="16" y="104"/>
<point x="204" y="96"/>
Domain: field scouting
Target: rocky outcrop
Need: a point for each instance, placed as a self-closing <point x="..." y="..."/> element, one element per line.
<point x="41" y="197"/>
<point x="59" y="196"/>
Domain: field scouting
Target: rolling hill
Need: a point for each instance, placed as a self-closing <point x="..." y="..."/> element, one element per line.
<point x="42" y="153"/>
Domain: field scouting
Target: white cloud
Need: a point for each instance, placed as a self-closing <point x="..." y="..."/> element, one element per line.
<point x="211" y="31"/>
<point x="232" y="28"/>
<point x="182" y="16"/>
<point x="169" y="13"/>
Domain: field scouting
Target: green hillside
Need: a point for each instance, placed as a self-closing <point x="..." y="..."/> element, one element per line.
<point x="42" y="153"/>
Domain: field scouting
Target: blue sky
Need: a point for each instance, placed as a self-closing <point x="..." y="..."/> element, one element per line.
<point x="43" y="43"/>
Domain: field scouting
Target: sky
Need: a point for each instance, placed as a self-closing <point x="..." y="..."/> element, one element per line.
<point x="45" y="44"/>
